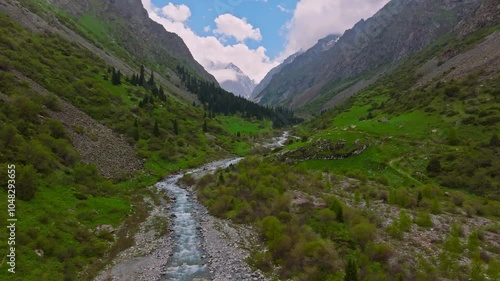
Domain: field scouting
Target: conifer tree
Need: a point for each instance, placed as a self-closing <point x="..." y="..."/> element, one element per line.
<point x="156" y="130"/>
<point x="176" y="127"/>
<point x="151" y="81"/>
<point x="351" y="271"/>
<point x="141" y="77"/>
<point x="205" y="127"/>
<point x="162" y="95"/>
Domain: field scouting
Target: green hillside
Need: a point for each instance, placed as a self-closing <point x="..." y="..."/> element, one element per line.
<point x="399" y="183"/>
<point x="60" y="199"/>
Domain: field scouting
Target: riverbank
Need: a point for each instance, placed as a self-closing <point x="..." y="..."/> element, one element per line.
<point x="225" y="245"/>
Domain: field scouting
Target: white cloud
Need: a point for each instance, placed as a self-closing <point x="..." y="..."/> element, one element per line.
<point x="283" y="9"/>
<point x="210" y="50"/>
<point x="229" y="25"/>
<point x="313" y="20"/>
<point x="178" y="13"/>
<point x="224" y="74"/>
<point x="207" y="28"/>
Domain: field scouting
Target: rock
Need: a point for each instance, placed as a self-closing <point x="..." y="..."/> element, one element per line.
<point x="105" y="227"/>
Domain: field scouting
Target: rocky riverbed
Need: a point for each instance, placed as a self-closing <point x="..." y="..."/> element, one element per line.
<point x="198" y="246"/>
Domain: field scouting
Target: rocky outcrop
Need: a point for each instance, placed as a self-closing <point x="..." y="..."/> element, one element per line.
<point x="487" y="14"/>
<point x="95" y="142"/>
<point x="324" y="149"/>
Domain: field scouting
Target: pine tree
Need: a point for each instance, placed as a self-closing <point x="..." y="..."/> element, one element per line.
<point x="115" y="77"/>
<point x="205" y="127"/>
<point x="176" y="127"/>
<point x="151" y="81"/>
<point x="134" y="79"/>
<point x="141" y="77"/>
<point x="161" y="94"/>
<point x="351" y="271"/>
<point x="156" y="130"/>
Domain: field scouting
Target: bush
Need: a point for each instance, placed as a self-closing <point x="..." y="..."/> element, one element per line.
<point x="434" y="167"/>
<point x="363" y="233"/>
<point x="26" y="182"/>
<point x="424" y="220"/>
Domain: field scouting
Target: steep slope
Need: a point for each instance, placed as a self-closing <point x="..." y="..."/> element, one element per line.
<point x="267" y="79"/>
<point x="243" y="86"/>
<point x="296" y="62"/>
<point x="127" y="24"/>
<point x="370" y="48"/>
<point x="400" y="182"/>
<point x="72" y="115"/>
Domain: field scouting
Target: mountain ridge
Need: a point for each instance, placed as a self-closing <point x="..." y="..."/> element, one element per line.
<point x="164" y="48"/>
<point x="371" y="44"/>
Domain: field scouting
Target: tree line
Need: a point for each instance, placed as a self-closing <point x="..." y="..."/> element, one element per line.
<point x="217" y="100"/>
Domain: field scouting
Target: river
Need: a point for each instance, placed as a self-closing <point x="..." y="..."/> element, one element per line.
<point x="199" y="246"/>
<point x="188" y="260"/>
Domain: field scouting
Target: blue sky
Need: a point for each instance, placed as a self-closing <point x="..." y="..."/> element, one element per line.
<point x="263" y="15"/>
<point x="255" y="35"/>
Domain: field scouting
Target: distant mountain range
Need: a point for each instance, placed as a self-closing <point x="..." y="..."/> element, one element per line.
<point x="337" y="68"/>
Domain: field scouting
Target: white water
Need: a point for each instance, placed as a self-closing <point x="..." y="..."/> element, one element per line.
<point x="187" y="261"/>
<point x="278" y="141"/>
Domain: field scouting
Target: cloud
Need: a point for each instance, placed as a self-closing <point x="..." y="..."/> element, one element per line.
<point x="240" y="29"/>
<point x="224" y="74"/>
<point x="209" y="50"/>
<point x="178" y="13"/>
<point x="313" y="20"/>
<point x="283" y="9"/>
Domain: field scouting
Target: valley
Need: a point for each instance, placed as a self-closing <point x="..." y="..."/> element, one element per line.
<point x="376" y="162"/>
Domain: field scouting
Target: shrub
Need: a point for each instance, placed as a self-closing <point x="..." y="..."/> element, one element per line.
<point x="363" y="233"/>
<point x="26" y="182"/>
<point x="434" y="167"/>
<point x="424" y="220"/>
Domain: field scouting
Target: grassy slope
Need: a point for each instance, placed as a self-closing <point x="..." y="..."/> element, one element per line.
<point x="70" y="198"/>
<point x="405" y="129"/>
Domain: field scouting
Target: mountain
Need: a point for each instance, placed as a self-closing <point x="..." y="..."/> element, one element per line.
<point x="126" y="25"/>
<point x="323" y="45"/>
<point x="263" y="84"/>
<point x="239" y="84"/>
<point x="372" y="47"/>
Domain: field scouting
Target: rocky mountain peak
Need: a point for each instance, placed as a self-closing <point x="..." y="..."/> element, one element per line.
<point x="239" y="85"/>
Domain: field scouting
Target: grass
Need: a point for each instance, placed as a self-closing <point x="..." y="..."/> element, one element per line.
<point x="50" y="222"/>
<point x="236" y="124"/>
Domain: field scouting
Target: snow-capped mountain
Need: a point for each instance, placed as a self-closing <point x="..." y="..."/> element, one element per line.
<point x="232" y="79"/>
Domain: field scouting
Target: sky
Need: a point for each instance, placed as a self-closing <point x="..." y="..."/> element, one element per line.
<point x="255" y="35"/>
